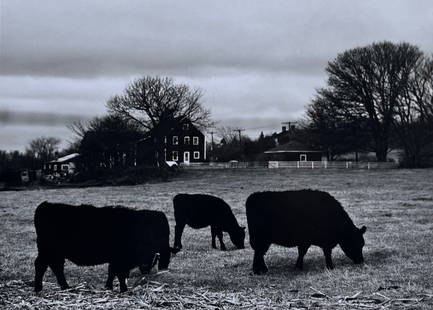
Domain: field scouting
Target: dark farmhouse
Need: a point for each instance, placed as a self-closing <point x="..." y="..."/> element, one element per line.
<point x="294" y="151"/>
<point x="180" y="142"/>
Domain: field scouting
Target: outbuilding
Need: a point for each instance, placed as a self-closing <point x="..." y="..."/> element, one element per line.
<point x="294" y="151"/>
<point x="63" y="165"/>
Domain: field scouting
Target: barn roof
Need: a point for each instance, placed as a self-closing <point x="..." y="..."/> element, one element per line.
<point x="65" y="158"/>
<point x="291" y="147"/>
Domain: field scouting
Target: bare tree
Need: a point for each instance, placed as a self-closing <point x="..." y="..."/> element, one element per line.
<point x="44" y="148"/>
<point x="367" y="82"/>
<point x="227" y="134"/>
<point x="151" y="101"/>
<point x="332" y="130"/>
<point x="414" y="118"/>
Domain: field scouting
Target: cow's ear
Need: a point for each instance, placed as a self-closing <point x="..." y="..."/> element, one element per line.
<point x="363" y="229"/>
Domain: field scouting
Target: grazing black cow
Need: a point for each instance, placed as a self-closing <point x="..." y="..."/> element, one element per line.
<point x="86" y="235"/>
<point x="199" y="211"/>
<point x="301" y="218"/>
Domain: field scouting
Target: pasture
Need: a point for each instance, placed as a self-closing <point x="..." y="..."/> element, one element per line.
<point x="395" y="205"/>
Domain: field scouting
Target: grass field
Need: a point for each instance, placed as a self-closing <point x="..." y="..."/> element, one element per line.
<point x="395" y="205"/>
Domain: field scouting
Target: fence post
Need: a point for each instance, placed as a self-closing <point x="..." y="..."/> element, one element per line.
<point x="347" y="165"/>
<point x="368" y="166"/>
<point x="297" y="164"/>
<point x="312" y="164"/>
<point x="326" y="164"/>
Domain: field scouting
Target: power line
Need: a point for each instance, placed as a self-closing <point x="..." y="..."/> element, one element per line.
<point x="239" y="130"/>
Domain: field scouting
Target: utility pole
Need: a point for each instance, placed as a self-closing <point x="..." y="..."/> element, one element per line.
<point x="211" y="145"/>
<point x="239" y="130"/>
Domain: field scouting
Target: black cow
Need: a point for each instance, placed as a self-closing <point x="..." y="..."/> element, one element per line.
<point x="301" y="218"/>
<point x="86" y="235"/>
<point x="199" y="211"/>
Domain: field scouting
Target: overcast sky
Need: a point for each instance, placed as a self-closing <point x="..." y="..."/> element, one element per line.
<point x="257" y="62"/>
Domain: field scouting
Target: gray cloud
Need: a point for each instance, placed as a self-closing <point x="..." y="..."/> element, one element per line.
<point x="100" y="38"/>
<point x="38" y="118"/>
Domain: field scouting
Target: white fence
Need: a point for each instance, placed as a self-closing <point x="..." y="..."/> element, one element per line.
<point x="292" y="165"/>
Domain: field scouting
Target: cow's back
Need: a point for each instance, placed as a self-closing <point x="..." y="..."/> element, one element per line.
<point x="291" y="218"/>
<point x="87" y="235"/>
<point x="200" y="210"/>
<point x="84" y="234"/>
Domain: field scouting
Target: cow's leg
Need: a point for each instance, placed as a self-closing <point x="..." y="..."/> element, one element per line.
<point x="110" y="279"/>
<point x="122" y="275"/>
<point x="57" y="266"/>
<point x="178" y="231"/>
<point x="259" y="265"/>
<point x="40" y="267"/>
<point x="164" y="259"/>
<point x="328" y="258"/>
<point x="220" y="238"/>
<point x="302" y="250"/>
<point x="214" y="234"/>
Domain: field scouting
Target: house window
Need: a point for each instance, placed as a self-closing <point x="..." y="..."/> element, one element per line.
<point x="175" y="140"/>
<point x="196" y="155"/>
<point x="185" y="126"/>
<point x="65" y="167"/>
<point x="195" y="140"/>
<point x="186" y="140"/>
<point x="175" y="156"/>
<point x="303" y="157"/>
<point x="55" y="167"/>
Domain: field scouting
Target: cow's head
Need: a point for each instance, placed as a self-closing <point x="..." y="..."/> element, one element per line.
<point x="238" y="237"/>
<point x="165" y="256"/>
<point x="352" y="244"/>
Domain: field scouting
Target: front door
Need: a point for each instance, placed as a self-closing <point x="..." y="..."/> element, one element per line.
<point x="186" y="157"/>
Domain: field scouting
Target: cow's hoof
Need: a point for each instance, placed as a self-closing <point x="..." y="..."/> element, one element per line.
<point x="123" y="289"/>
<point x="260" y="271"/>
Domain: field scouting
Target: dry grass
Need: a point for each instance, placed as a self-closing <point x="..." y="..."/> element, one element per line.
<point x="395" y="205"/>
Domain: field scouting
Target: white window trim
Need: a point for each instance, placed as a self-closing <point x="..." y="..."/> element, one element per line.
<point x="303" y="157"/>
<point x="175" y="156"/>
<point x="196" y="155"/>
<point x="185" y="139"/>
<point x="175" y="140"/>
<point x="195" y="140"/>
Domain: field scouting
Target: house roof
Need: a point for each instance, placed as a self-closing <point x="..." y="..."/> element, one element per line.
<point x="291" y="147"/>
<point x="65" y="158"/>
<point x="170" y="126"/>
